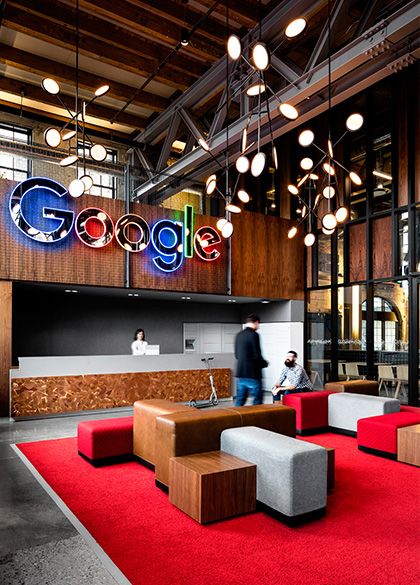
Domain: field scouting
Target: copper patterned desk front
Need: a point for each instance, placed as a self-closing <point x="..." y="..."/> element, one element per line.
<point x="63" y="394"/>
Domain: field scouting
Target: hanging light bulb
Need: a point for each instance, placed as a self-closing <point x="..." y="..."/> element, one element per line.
<point x="211" y="184"/>
<point x="330" y="148"/>
<point x="234" y="47"/>
<point x="328" y="232"/>
<point x="69" y="135"/>
<point x="50" y="86"/>
<point x="255" y="89"/>
<point x="329" y="221"/>
<point x="292" y="232"/>
<point x="313" y="177"/>
<point x="295" y="28"/>
<point x="328" y="192"/>
<point x="306" y="164"/>
<point x="244" y="139"/>
<point x="306" y="138"/>
<point x="309" y="239"/>
<point x="288" y="111"/>
<point x="98" y="152"/>
<point x="227" y="229"/>
<point x="328" y="169"/>
<point x="242" y="164"/>
<point x="275" y="159"/>
<point x="69" y="160"/>
<point x="341" y="214"/>
<point x="355" y="178"/>
<point x="102" y="90"/>
<point x="76" y="188"/>
<point x="88" y="181"/>
<point x="220" y="223"/>
<point x="233" y="208"/>
<point x="243" y="196"/>
<point x="303" y="179"/>
<point x="304" y="211"/>
<point x="292" y="189"/>
<point x="317" y="200"/>
<point x="354" y="122"/>
<point x="52" y="137"/>
<point x="185" y="37"/>
<point x="260" y="56"/>
<point x="258" y="164"/>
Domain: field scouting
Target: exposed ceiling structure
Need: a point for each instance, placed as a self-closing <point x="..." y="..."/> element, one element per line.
<point x="163" y="92"/>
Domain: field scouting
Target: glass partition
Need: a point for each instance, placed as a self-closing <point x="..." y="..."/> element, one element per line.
<point x="352" y="332"/>
<point x="319" y="337"/>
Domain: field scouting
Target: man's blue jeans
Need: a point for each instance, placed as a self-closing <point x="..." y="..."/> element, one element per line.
<point x="245" y="386"/>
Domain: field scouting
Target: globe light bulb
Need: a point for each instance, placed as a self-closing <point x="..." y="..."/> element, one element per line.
<point x="329" y="221"/>
<point x="354" y="122"/>
<point x="258" y="164"/>
<point x="243" y="196"/>
<point x="87" y="181"/>
<point x="98" y="152"/>
<point x="76" y="188"/>
<point x="292" y="189"/>
<point x="102" y="90"/>
<point x="233" y="208"/>
<point x="69" y="160"/>
<point x="255" y="89"/>
<point x="309" y="240"/>
<point x="52" y="137"/>
<point x="328" y="192"/>
<point x="288" y="111"/>
<point x="234" y="48"/>
<point x="220" y="223"/>
<point x="306" y="163"/>
<point x="242" y="164"/>
<point x="50" y="86"/>
<point x="275" y="159"/>
<point x="306" y="138"/>
<point x="295" y="28"/>
<point x="327" y="232"/>
<point x="328" y="169"/>
<point x="260" y="56"/>
<point x="355" y="178"/>
<point x="210" y="184"/>
<point x="341" y="214"/>
<point x="227" y="230"/>
<point x="292" y="232"/>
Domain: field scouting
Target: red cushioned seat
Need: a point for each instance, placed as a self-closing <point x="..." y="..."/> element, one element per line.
<point x="99" y="440"/>
<point x="378" y="434"/>
<point x="311" y="411"/>
<point x="415" y="409"/>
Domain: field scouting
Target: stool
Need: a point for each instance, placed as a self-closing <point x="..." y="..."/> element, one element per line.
<point x="105" y="441"/>
<point x="378" y="434"/>
<point x="409" y="445"/>
<point x="311" y="411"/>
<point x="345" y="409"/>
<point x="291" y="474"/>
<point x="212" y="486"/>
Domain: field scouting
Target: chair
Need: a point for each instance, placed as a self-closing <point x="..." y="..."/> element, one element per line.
<point x="341" y="371"/>
<point x="385" y="374"/>
<point x="402" y="378"/>
<point x="352" y="371"/>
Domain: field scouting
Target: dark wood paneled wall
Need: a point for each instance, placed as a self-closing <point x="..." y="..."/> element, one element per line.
<point x="382" y="247"/>
<point x="5" y="344"/>
<point x="265" y="263"/>
<point x="357" y="253"/>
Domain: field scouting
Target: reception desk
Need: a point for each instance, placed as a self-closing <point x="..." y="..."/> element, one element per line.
<point x="43" y="386"/>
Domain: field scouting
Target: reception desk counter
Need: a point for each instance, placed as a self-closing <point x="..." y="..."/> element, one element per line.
<point x="56" y="385"/>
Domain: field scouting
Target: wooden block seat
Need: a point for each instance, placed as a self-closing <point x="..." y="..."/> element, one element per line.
<point x="105" y="441"/>
<point x="408" y="444"/>
<point x="198" y="431"/>
<point x="291" y="474"/>
<point x="144" y="431"/>
<point x="311" y="411"/>
<point x="378" y="434"/>
<point x="368" y="387"/>
<point x="345" y="409"/>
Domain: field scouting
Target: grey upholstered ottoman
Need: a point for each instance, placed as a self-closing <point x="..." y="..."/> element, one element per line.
<point x="345" y="409"/>
<point x="291" y="474"/>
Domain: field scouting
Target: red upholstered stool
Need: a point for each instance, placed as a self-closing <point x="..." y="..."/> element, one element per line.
<point x="311" y="411"/>
<point x="105" y="441"/>
<point x="378" y="434"/>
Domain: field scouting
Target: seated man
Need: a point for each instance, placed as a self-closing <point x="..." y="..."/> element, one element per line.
<point x="297" y="378"/>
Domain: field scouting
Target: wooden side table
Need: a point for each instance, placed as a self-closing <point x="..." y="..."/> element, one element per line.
<point x="408" y="445"/>
<point x="212" y="486"/>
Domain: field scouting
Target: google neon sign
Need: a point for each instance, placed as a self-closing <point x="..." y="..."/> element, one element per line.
<point x="36" y="209"/>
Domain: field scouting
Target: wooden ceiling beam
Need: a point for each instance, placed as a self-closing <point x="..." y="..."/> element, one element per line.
<point x="240" y="11"/>
<point x="36" y="93"/>
<point x="40" y="28"/>
<point x="65" y="74"/>
<point x="160" y="29"/>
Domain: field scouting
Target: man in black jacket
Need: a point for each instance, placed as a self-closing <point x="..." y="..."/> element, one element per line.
<point x="250" y="362"/>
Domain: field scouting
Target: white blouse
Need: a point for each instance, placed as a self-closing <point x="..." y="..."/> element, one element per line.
<point x="138" y="347"/>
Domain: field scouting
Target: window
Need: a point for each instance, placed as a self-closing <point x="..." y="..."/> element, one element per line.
<point x="104" y="184"/>
<point x="13" y="166"/>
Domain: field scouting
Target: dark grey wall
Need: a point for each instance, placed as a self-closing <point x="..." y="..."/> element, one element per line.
<point x="57" y="323"/>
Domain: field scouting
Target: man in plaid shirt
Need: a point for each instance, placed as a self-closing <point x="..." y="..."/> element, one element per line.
<point x="297" y="378"/>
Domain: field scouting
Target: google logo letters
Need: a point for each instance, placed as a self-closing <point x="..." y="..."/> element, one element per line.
<point x="36" y="209"/>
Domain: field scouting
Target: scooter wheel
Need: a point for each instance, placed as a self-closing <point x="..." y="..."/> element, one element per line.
<point x="192" y="403"/>
<point x="214" y="401"/>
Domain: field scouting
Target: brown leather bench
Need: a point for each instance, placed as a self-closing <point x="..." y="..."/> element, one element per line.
<point x="185" y="433"/>
<point x="369" y="387"/>
<point x="144" y="430"/>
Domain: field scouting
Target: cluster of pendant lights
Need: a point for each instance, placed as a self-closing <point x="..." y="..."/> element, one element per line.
<point x="260" y="57"/>
<point x="54" y="137"/>
<point x="308" y="182"/>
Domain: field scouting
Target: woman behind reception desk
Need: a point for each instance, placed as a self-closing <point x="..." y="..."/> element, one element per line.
<point x="139" y="345"/>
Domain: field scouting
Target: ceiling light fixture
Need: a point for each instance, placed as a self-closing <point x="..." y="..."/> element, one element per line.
<point x="295" y="28"/>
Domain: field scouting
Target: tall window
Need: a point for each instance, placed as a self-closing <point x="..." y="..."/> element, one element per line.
<point x="385" y="325"/>
<point x="13" y="166"/>
<point x="104" y="184"/>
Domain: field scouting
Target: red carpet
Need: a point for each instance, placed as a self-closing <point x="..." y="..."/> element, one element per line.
<point x="370" y="535"/>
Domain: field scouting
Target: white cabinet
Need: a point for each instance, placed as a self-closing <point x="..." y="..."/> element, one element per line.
<point x="210" y="337"/>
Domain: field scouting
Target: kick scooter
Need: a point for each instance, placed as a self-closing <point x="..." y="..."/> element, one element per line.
<point x="213" y="400"/>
